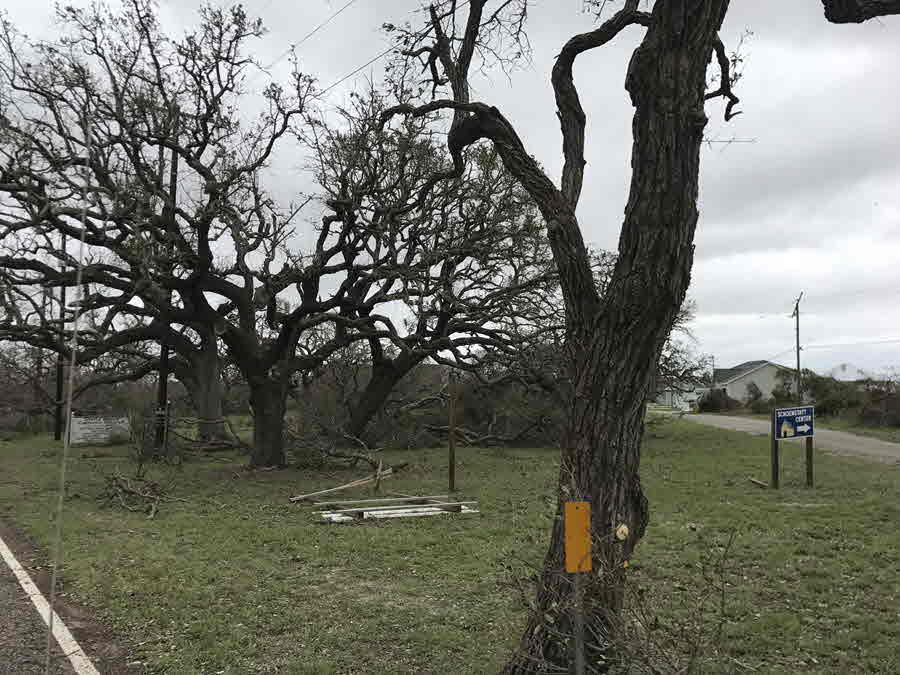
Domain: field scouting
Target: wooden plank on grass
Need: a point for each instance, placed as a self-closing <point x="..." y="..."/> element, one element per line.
<point x="382" y="500"/>
<point x="333" y="517"/>
<point x="400" y="507"/>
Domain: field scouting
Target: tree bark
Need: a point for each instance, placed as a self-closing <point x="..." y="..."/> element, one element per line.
<point x="207" y="396"/>
<point x="613" y="347"/>
<point x="199" y="370"/>
<point x="268" y="400"/>
<point x="857" y="11"/>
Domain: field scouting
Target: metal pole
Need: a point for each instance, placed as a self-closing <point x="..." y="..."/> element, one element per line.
<point x="579" y="623"/>
<point x="797" y="331"/>
<point x="451" y="432"/>
<point x="775" y="459"/>
<point x="60" y="359"/>
<point x="162" y="396"/>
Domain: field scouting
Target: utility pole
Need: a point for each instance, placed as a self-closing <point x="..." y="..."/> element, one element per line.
<point x="168" y="214"/>
<point x="37" y="384"/>
<point x="451" y="430"/>
<point x="60" y="359"/>
<point x="796" y="315"/>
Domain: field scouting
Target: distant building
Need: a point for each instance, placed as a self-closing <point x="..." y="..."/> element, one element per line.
<point x="679" y="398"/>
<point x="764" y="374"/>
<point x="847" y="372"/>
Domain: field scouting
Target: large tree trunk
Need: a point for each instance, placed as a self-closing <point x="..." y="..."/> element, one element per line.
<point x="206" y="393"/>
<point x="613" y="348"/>
<point x="385" y="376"/>
<point x="268" y="400"/>
<point x="200" y="373"/>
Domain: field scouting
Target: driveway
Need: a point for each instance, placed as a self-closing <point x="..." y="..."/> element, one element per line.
<point x="837" y="442"/>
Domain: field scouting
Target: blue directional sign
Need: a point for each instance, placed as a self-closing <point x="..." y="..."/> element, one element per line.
<point x="794" y="422"/>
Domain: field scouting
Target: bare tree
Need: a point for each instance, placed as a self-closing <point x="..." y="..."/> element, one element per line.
<point x="131" y="140"/>
<point x="475" y="244"/>
<point x="613" y="341"/>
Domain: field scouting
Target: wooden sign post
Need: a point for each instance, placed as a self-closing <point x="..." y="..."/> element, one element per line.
<point x="776" y="460"/>
<point x="578" y="561"/>
<point x="792" y="424"/>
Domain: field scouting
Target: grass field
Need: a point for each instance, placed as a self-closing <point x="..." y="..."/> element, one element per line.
<point x="852" y="426"/>
<point x="238" y="580"/>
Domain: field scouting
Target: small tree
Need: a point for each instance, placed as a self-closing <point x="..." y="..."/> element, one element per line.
<point x="754" y="393"/>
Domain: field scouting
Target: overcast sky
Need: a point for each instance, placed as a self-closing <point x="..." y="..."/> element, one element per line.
<point x="811" y="204"/>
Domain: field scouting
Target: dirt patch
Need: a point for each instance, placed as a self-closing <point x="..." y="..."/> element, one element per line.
<point x="100" y="643"/>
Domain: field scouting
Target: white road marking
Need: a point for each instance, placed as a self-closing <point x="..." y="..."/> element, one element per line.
<point x="70" y="647"/>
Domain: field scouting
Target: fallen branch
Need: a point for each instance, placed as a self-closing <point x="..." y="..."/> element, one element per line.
<point x="758" y="483"/>
<point x="476" y="438"/>
<point x="379" y="476"/>
<point x="137" y="494"/>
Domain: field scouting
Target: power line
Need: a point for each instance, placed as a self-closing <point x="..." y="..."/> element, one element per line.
<point x="306" y="37"/>
<point x="355" y="71"/>
<point x="324" y="23"/>
<point x="878" y="341"/>
<point x="375" y="58"/>
<point x="368" y="63"/>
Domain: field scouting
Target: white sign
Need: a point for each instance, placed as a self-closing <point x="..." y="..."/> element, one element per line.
<point x="99" y="430"/>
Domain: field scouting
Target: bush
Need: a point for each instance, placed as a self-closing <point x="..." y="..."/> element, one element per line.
<point x="754" y="393"/>
<point x="831" y="396"/>
<point x="716" y="400"/>
<point x="762" y="406"/>
<point x="883" y="412"/>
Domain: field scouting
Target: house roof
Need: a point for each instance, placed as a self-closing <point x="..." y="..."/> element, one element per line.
<point x="723" y="375"/>
<point x="727" y="375"/>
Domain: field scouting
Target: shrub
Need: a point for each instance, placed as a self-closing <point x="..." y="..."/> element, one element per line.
<point x="716" y="400"/>
<point x="885" y="411"/>
<point x="831" y="396"/>
<point x="762" y="406"/>
<point x="754" y="393"/>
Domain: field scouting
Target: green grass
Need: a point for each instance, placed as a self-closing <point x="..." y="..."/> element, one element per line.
<point x="238" y="580"/>
<point x="853" y="426"/>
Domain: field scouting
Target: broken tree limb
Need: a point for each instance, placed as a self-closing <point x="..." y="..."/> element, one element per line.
<point x="758" y="483"/>
<point x="408" y="499"/>
<point x="356" y="483"/>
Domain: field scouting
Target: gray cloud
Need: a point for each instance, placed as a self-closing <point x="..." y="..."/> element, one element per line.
<point x="813" y="204"/>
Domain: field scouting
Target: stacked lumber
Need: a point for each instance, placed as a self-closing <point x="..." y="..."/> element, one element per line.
<point x="393" y="507"/>
<point x="396" y="506"/>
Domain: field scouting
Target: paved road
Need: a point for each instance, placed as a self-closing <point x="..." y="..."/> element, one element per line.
<point x="837" y="442"/>
<point x="22" y="632"/>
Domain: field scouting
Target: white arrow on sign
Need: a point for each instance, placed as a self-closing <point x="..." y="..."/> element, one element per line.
<point x="803" y="428"/>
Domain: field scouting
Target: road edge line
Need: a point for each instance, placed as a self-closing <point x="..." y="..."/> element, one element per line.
<point x="64" y="638"/>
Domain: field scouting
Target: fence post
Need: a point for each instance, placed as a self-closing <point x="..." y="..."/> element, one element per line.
<point x="775" y="459"/>
<point x="809" y="461"/>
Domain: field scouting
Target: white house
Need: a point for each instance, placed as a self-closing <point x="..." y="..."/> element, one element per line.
<point x="764" y="374"/>
<point x="682" y="399"/>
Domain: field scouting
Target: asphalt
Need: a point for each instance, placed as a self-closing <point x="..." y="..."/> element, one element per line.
<point x="836" y="442"/>
<point x="23" y="633"/>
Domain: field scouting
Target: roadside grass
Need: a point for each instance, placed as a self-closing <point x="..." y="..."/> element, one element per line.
<point x="854" y="426"/>
<point x="238" y="580"/>
<point x="850" y="424"/>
